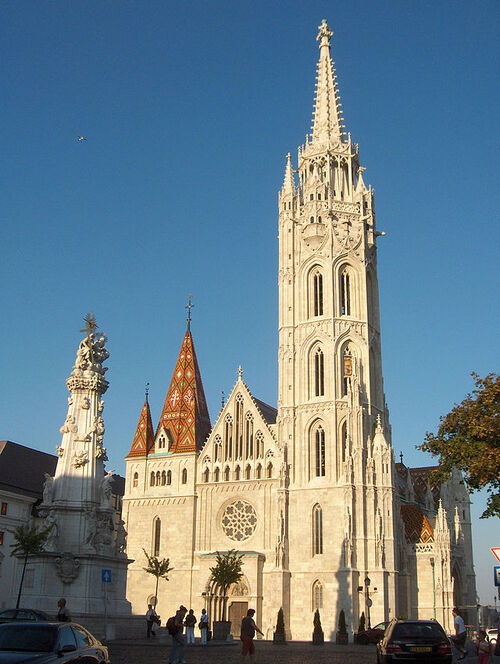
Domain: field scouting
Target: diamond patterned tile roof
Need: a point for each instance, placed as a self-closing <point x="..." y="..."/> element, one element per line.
<point x="144" y="435"/>
<point x="184" y="418"/>
<point x="417" y="528"/>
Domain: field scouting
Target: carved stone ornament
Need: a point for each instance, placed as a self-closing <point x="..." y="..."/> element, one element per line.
<point x="69" y="425"/>
<point x="60" y="451"/>
<point x="67" y="567"/>
<point x="100" y="453"/>
<point x="86" y="403"/>
<point x="79" y="460"/>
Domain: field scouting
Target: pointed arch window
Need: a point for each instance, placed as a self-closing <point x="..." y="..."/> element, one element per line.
<point x="226" y="474"/>
<point x="184" y="476"/>
<point x="217" y="475"/>
<point x="319" y="373"/>
<point x="156" y="536"/>
<point x="347" y="368"/>
<point x="319" y="451"/>
<point x="163" y="478"/>
<point x="206" y="475"/>
<point x="345" y="293"/>
<point x="161" y="442"/>
<point x="169" y="477"/>
<point x="317" y="596"/>
<point x="249" y="436"/>
<point x="317" y="523"/>
<point x="259" y="441"/>
<point x="248" y="470"/>
<point x="152" y="478"/>
<point x="315" y="291"/>
<point x="135" y="480"/>
<point x="343" y="441"/>
<point x="258" y="471"/>
<point x="237" y="473"/>
<point x="269" y="470"/>
<point x="218" y="449"/>
<point x="239" y="428"/>
<point x="228" y="438"/>
<point x="158" y="478"/>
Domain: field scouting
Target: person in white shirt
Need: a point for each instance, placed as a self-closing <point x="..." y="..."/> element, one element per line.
<point x="460" y="634"/>
<point x="151" y="618"/>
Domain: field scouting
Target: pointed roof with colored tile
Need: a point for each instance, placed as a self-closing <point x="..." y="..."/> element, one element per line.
<point x="184" y="418"/>
<point x="417" y="527"/>
<point x="144" y="435"/>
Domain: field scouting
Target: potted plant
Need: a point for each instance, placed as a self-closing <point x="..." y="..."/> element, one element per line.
<point x="226" y="571"/>
<point x="279" y="634"/>
<point x="342" y="638"/>
<point x="318" y="636"/>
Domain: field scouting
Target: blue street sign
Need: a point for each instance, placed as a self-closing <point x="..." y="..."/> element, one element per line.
<point x="496" y="572"/>
<point x="106" y="575"/>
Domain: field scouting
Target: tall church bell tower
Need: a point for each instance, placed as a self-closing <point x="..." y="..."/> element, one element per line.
<point x="332" y="415"/>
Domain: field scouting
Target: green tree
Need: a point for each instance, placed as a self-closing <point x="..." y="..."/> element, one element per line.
<point x="159" y="568"/>
<point x="468" y="438"/>
<point x="28" y="541"/>
<point x="226" y="571"/>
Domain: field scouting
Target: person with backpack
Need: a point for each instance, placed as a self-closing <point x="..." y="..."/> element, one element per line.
<point x="190" y="622"/>
<point x="175" y="626"/>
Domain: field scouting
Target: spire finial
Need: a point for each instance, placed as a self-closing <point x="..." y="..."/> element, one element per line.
<point x="324" y="34"/>
<point x="222" y="399"/>
<point x="288" y="181"/>
<point x="147" y="391"/>
<point x="401" y="457"/>
<point x="189" y="306"/>
<point x="90" y="324"/>
<point x="240" y="373"/>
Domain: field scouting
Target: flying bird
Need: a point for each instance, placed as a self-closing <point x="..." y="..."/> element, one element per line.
<point x="81" y="138"/>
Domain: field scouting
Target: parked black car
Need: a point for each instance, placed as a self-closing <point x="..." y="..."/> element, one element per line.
<point x="422" y="641"/>
<point x="31" y="615"/>
<point x="47" y="642"/>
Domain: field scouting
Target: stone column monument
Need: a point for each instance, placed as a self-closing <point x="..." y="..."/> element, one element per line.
<point x="85" y="559"/>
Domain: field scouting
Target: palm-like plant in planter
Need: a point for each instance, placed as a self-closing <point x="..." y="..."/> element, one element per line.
<point x="28" y="541"/>
<point x="159" y="568"/>
<point x="225" y="572"/>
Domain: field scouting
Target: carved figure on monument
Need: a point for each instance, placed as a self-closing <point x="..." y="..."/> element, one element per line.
<point x="103" y="539"/>
<point x="80" y="460"/>
<point x="51" y="541"/>
<point x="91" y="528"/>
<point x="100" y="429"/>
<point x="69" y="425"/>
<point x="85" y="403"/>
<point x="106" y="488"/>
<point x="99" y="354"/>
<point x="100" y="453"/>
<point x="121" y="537"/>
<point x="48" y="489"/>
<point x="100" y="406"/>
<point x="83" y="354"/>
<point x="67" y="567"/>
<point x="60" y="451"/>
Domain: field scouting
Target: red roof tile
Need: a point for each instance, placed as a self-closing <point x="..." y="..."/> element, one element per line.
<point x="417" y="528"/>
<point x="144" y="437"/>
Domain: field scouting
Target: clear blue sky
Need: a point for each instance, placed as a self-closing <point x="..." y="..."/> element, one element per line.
<point x="189" y="110"/>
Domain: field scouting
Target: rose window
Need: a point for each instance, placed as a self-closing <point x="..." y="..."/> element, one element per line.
<point x="239" y="520"/>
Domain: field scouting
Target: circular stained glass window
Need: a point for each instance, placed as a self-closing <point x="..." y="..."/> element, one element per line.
<point x="239" y="520"/>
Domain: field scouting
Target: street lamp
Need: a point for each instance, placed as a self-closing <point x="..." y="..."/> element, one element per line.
<point x="368" y="600"/>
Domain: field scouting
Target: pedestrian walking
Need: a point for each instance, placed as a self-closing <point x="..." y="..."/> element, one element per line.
<point x="63" y="614"/>
<point x="460" y="634"/>
<point x="151" y="619"/>
<point x="483" y="648"/>
<point x="248" y="629"/>
<point x="190" y="623"/>
<point x="203" y="625"/>
<point x="178" y="644"/>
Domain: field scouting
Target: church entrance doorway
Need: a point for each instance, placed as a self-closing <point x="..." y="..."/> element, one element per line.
<point x="237" y="611"/>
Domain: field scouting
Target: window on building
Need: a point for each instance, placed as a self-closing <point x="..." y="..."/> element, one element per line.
<point x="319" y="451"/>
<point x="249" y="436"/>
<point x="312" y="220"/>
<point x="156" y="536"/>
<point x="319" y="373"/>
<point x="319" y="196"/>
<point x="228" y="438"/>
<point x="216" y="475"/>
<point x="3" y="509"/>
<point x="135" y="480"/>
<point x="184" y="476"/>
<point x="217" y="449"/>
<point x="237" y="473"/>
<point x="311" y="197"/>
<point x="317" y="596"/>
<point x="248" y="471"/>
<point x="317" y="518"/>
<point x="158" y="478"/>
<point x="206" y="475"/>
<point x="163" y="478"/>
<point x="269" y="469"/>
<point x="152" y="479"/>
<point x="345" y="293"/>
<point x="347" y="368"/>
<point x="226" y="474"/>
<point x="169" y="477"/>
<point x="259" y="441"/>
<point x="343" y="440"/>
<point x="258" y="471"/>
<point x="317" y="279"/>
<point x="238" y="438"/>
<point x="161" y="442"/>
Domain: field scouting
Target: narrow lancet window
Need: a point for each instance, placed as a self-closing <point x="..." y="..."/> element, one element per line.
<point x="156" y="537"/>
<point x="319" y="451"/>
<point x="345" y="293"/>
<point x="318" y="293"/>
<point x="317" y="530"/>
<point x="319" y="373"/>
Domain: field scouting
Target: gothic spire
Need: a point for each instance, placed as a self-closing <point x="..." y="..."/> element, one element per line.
<point x="184" y="418"/>
<point x="327" y="116"/>
<point x="144" y="436"/>
<point x="288" y="181"/>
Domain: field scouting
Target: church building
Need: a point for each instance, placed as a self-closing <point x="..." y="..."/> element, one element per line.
<point x="309" y="493"/>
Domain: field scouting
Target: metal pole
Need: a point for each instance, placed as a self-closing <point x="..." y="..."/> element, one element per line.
<point x="105" y="610"/>
<point x="433" y="588"/>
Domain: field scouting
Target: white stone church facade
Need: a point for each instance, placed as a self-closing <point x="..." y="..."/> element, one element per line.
<point x="309" y="493"/>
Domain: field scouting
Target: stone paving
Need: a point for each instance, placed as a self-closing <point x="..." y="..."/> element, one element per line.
<point x="298" y="652"/>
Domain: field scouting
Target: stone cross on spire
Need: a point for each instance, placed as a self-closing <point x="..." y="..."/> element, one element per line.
<point x="324" y="34"/>
<point x="189" y="306"/>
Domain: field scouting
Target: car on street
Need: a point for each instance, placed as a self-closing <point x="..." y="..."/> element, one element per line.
<point x="422" y="641"/>
<point x="492" y="634"/>
<point x="32" y="615"/>
<point x="371" y="635"/>
<point x="48" y="642"/>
